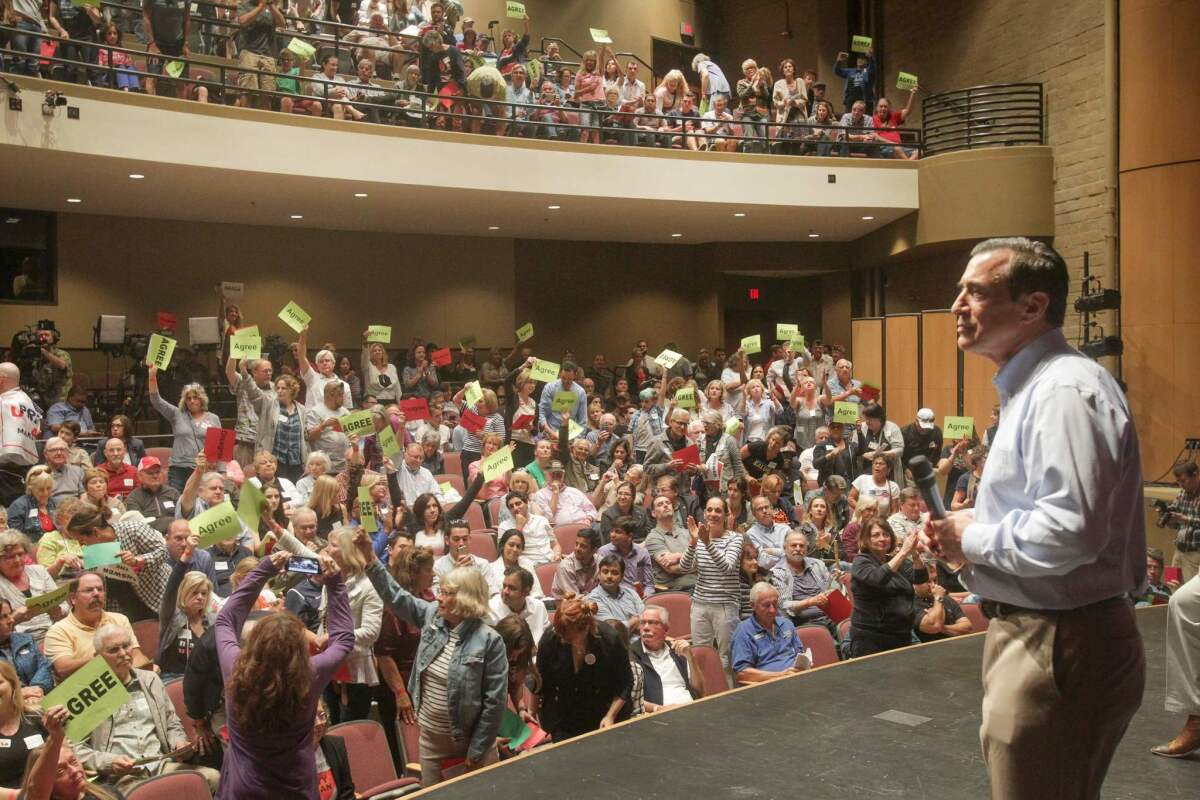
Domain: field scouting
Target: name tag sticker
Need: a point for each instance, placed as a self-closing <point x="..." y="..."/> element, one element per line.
<point x="34" y="740"/>
<point x="283" y="418"/>
<point x="129" y="481"/>
<point x="5" y="744"/>
<point x="222" y="565"/>
<point x="168" y="503"/>
<point x="33" y="512"/>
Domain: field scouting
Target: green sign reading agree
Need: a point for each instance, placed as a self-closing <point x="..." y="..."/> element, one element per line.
<point x="91" y="695"/>
<point x="845" y="413"/>
<point x="217" y="524"/>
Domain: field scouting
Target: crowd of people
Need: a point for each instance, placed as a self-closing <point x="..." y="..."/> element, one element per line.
<point x="424" y="64"/>
<point x="723" y="477"/>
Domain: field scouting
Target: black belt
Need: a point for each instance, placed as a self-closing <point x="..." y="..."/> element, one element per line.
<point x="993" y="609"/>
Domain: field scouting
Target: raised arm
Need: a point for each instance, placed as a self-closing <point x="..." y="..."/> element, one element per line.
<point x="460" y="508"/>
<point x="237" y="607"/>
<point x="164" y="408"/>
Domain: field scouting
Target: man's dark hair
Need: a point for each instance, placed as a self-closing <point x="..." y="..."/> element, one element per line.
<point x="1155" y="554"/>
<point x="328" y="56"/>
<point x="626" y="524"/>
<point x="508" y="498"/>
<point x="874" y="411"/>
<point x="569" y="366"/>
<point x="524" y="575"/>
<point x="1185" y="469"/>
<point x="592" y="535"/>
<point x="1034" y="267"/>
<point x="613" y="560"/>
<point x="458" y="523"/>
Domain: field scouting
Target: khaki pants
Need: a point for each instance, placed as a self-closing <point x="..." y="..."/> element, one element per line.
<point x="1059" y="691"/>
<point x="211" y="776"/>
<point x="1183" y="650"/>
<point x="713" y="624"/>
<point x="243" y="453"/>
<point x="437" y="747"/>
<point x="1189" y="564"/>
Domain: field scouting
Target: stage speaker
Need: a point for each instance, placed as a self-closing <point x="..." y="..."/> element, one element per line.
<point x="110" y="330"/>
<point x="203" y="331"/>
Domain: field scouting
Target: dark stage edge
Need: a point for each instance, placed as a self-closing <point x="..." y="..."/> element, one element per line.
<point x="815" y="736"/>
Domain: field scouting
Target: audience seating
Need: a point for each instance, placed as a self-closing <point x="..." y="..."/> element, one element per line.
<point x="566" y="535"/>
<point x="974" y="613"/>
<point x="146" y="632"/>
<point x="709" y="662"/>
<point x="175" y="692"/>
<point x="545" y="576"/>
<point x="452" y="463"/>
<point x="182" y="785"/>
<point x="679" y="607"/>
<point x="474" y="516"/>
<point x="163" y="454"/>
<point x="455" y="480"/>
<point x="492" y="508"/>
<point x="483" y="544"/>
<point x="410" y="739"/>
<point x="817" y="639"/>
<point x="370" y="759"/>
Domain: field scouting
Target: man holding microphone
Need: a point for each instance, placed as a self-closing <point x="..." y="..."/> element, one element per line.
<point x="1056" y="539"/>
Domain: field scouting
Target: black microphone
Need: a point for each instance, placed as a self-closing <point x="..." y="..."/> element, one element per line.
<point x="923" y="477"/>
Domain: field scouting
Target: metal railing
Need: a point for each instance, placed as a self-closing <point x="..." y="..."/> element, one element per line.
<point x="416" y="108"/>
<point x="996" y="115"/>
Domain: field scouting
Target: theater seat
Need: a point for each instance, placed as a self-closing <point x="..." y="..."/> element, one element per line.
<point x="566" y="535"/>
<point x="709" y="662"/>
<point x="370" y="759"/>
<point x="843" y="629"/>
<point x="483" y="544"/>
<point x="818" y="640"/>
<point x="474" y="516"/>
<point x="493" y="507"/>
<point x="410" y="735"/>
<point x="146" y="632"/>
<point x="174" y="689"/>
<point x="545" y="576"/>
<point x="163" y="454"/>
<point x="452" y="463"/>
<point x="679" y="607"/>
<point x="185" y="784"/>
<point x="978" y="621"/>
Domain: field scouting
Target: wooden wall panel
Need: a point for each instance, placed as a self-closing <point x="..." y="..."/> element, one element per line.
<point x="867" y="349"/>
<point x="902" y="367"/>
<point x="939" y="363"/>
<point x="979" y="396"/>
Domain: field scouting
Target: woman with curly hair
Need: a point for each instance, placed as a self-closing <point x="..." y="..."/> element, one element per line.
<point x="586" y="677"/>
<point x="272" y="686"/>
<point x="189" y="423"/>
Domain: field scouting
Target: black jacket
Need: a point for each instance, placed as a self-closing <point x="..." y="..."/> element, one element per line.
<point x="883" y="600"/>
<point x="574" y="703"/>
<point x="203" y="686"/>
<point x="334" y="750"/>
<point x="653" y="683"/>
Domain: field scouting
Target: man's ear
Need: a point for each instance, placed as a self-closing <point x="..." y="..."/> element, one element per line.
<point x="1034" y="305"/>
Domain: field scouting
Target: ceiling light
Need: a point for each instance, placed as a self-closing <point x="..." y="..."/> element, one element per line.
<point x="136" y="176"/>
<point x="740" y="214"/>
<point x="554" y="208"/>
<point x="297" y="216"/>
<point x="13" y="220"/>
<point x="868" y="216"/>
<point x="676" y="235"/>
<point x="493" y="227"/>
<point x="74" y="200"/>
<point x="814" y="235"/>
<point x="360" y="194"/>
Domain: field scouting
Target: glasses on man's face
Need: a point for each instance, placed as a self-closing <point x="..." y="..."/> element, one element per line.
<point x="113" y="649"/>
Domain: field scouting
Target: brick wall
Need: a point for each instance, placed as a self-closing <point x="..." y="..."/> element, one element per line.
<point x="1061" y="45"/>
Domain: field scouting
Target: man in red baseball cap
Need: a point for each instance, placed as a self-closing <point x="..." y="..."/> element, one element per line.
<point x="154" y="498"/>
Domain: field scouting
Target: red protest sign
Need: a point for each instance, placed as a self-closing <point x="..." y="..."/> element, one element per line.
<point x="218" y="445"/>
<point x="688" y="455"/>
<point x="416" y="408"/>
<point x="869" y="393"/>
<point x="839" y="608"/>
<point x="472" y="421"/>
<point x="440" y="358"/>
<point x="523" y="421"/>
<point x="165" y="321"/>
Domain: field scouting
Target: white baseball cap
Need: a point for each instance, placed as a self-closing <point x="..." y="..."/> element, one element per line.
<point x="925" y="418"/>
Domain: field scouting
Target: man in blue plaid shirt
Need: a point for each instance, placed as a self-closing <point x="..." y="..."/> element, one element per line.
<point x="1185" y="516"/>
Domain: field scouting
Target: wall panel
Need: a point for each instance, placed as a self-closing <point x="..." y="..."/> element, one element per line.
<point x="867" y="352"/>
<point x="939" y="363"/>
<point x="902" y="367"/>
<point x="979" y="395"/>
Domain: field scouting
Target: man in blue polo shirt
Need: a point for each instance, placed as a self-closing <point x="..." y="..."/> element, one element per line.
<point x="765" y="645"/>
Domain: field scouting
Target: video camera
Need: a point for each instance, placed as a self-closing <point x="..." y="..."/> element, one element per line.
<point x="1164" y="512"/>
<point x="27" y="346"/>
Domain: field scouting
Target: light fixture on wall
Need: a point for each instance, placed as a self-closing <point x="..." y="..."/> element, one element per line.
<point x="1093" y="298"/>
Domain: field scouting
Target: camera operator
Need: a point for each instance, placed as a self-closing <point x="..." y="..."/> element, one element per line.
<point x="52" y="372"/>
<point x="20" y="421"/>
<point x="1183" y="514"/>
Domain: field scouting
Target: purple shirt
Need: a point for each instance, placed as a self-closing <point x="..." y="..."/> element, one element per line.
<point x="638" y="566"/>
<point x="281" y="764"/>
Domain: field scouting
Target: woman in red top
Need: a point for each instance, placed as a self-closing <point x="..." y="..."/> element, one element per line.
<point x="886" y="121"/>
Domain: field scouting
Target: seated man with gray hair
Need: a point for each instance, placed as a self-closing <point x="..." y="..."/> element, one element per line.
<point x="765" y="645"/>
<point x="205" y="489"/>
<point x="145" y="727"/>
<point x="672" y="677"/>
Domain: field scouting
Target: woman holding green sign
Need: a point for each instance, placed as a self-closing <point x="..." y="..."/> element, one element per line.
<point x="189" y="423"/>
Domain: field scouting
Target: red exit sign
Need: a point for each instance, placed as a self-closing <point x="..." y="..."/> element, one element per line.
<point x="754" y="293"/>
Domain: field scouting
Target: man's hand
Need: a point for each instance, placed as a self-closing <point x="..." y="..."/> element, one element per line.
<point x="681" y="647"/>
<point x="122" y="766"/>
<point x="404" y="708"/>
<point x="943" y="537"/>
<point x="937" y="590"/>
<point x="201" y="462"/>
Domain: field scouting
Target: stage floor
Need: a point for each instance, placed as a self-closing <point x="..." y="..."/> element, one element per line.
<point x="816" y="736"/>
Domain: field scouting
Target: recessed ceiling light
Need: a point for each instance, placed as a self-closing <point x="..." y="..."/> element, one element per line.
<point x="493" y="227"/>
<point x="868" y="216"/>
<point x="136" y="176"/>
<point x="676" y="235"/>
<point x="74" y="200"/>
<point x="297" y="216"/>
<point x="740" y="214"/>
<point x="554" y="208"/>
<point x="814" y="235"/>
<point x="13" y="220"/>
<point x="360" y="194"/>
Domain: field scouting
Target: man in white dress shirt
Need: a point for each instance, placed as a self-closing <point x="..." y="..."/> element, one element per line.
<point x="1056" y="540"/>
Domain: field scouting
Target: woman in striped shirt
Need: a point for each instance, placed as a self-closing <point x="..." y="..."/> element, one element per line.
<point x="486" y="407"/>
<point x="715" y="554"/>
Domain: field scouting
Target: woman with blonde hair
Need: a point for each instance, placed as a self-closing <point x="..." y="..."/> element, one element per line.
<point x="589" y="93"/>
<point x="866" y="510"/>
<point x="472" y="446"/>
<point x="714" y="400"/>
<point x="17" y="730"/>
<point x="460" y="680"/>
<point x="189" y="422"/>
<point x="761" y="410"/>
<point x="185" y="614"/>
<point x="381" y="380"/>
<point x="586" y="677"/>
<point x="349" y="698"/>
<point x="671" y="91"/>
<point x="323" y="502"/>
<point x="280" y="428"/>
<point x="33" y="512"/>
<point x="525" y="411"/>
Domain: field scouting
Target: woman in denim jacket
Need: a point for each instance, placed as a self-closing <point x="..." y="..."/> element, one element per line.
<point x="459" y="681"/>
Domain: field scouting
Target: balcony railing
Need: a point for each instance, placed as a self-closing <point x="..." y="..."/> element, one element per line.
<point x="997" y="115"/>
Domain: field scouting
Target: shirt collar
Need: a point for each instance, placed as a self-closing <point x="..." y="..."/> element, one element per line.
<point x="1013" y="375"/>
